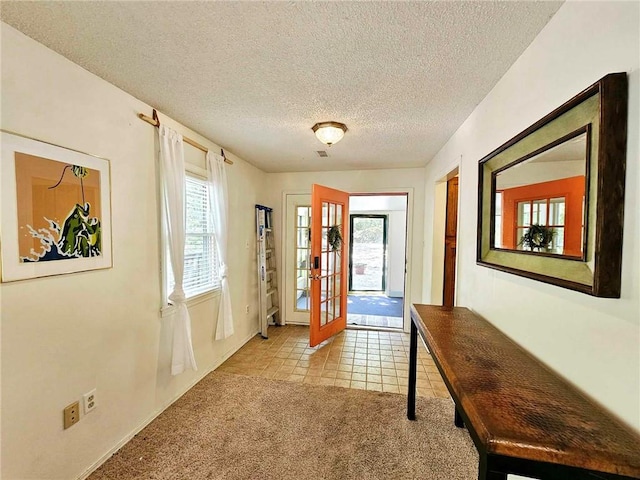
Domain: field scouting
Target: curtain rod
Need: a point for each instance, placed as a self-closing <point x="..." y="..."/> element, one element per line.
<point x="156" y="123"/>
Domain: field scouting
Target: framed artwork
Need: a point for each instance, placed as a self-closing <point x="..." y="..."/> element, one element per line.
<point x="55" y="207"/>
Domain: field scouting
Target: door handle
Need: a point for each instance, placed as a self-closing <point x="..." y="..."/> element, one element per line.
<point x="314" y="277"/>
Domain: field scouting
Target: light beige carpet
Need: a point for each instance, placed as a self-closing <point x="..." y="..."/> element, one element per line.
<point x="236" y="427"/>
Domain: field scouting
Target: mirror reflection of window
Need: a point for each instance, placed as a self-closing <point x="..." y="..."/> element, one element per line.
<point x="556" y="221"/>
<point x="546" y="212"/>
<point x="584" y="217"/>
<point x="546" y="191"/>
<point x="302" y="255"/>
<point x="498" y="220"/>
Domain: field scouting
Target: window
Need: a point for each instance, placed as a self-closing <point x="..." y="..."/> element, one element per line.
<point x="548" y="212"/>
<point x="200" y="253"/>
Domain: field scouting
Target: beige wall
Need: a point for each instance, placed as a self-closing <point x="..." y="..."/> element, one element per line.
<point x="437" y="235"/>
<point x="593" y="342"/>
<point x="363" y="181"/>
<point x="63" y="336"/>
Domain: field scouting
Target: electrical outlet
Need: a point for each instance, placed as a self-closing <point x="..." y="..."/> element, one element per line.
<point x="89" y="399"/>
<point x="71" y="414"/>
<point x="246" y="309"/>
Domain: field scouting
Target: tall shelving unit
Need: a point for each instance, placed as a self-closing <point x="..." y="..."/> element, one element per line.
<point x="267" y="274"/>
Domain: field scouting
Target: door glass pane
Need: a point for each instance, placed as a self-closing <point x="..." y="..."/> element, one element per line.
<point x="302" y="258"/>
<point x="303" y="216"/>
<point x="324" y="282"/>
<point x="301" y="255"/>
<point x="303" y="237"/>
<point x="324" y="263"/>
<point x="323" y="313"/>
<point x="368" y="253"/>
<point x="302" y="300"/>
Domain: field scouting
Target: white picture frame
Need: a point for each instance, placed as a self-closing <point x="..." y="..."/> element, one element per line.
<point x="55" y="210"/>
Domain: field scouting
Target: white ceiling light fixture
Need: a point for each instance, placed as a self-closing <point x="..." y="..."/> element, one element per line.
<point x="329" y="132"/>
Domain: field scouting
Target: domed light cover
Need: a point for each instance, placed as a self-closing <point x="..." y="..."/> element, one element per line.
<point x="329" y="132"/>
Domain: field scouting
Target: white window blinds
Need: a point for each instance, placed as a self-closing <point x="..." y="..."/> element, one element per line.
<point x="200" y="254"/>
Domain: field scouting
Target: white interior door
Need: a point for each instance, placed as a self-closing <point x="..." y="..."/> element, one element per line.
<point x="296" y="251"/>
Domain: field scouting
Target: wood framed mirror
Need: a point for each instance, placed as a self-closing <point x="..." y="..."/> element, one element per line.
<point x="551" y="199"/>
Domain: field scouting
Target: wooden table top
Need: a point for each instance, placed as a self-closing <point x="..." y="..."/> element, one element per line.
<point x="518" y="406"/>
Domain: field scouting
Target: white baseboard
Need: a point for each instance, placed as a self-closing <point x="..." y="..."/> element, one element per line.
<point x="154" y="415"/>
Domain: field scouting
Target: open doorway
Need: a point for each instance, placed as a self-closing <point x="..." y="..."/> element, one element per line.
<point x="377" y="256"/>
<point x="367" y="253"/>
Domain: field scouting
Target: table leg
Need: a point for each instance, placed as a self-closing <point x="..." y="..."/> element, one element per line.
<point x="486" y="472"/>
<point x="413" y="359"/>
<point x="457" y="420"/>
<point x="496" y="476"/>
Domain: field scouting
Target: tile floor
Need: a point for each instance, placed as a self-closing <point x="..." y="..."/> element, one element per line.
<point x="374" y="321"/>
<point x="363" y="359"/>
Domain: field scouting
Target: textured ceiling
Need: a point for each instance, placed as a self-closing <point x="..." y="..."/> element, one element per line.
<point x="254" y="77"/>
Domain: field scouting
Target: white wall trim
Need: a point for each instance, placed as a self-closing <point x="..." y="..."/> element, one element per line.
<point x="437" y="244"/>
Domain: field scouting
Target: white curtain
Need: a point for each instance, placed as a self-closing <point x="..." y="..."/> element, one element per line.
<point x="173" y="186"/>
<point x="217" y="176"/>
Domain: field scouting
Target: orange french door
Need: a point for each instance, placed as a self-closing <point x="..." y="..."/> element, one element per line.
<point x="329" y="214"/>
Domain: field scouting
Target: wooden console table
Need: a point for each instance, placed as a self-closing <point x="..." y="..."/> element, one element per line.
<point x="523" y="418"/>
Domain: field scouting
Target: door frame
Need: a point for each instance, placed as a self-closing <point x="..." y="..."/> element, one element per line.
<point x="408" y="246"/>
<point x="291" y="202"/>
<point x="385" y="226"/>
<point x="409" y="192"/>
<point x="438" y="239"/>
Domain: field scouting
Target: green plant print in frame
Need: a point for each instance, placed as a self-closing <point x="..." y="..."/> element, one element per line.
<point x="58" y="219"/>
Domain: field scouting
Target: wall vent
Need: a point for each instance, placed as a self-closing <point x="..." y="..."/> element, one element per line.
<point x="322" y="153"/>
